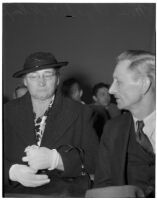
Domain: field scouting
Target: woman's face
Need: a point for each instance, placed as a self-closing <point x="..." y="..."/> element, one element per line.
<point x="42" y="84"/>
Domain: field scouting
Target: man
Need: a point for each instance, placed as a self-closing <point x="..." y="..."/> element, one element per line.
<point x="42" y="130"/>
<point x="72" y="88"/>
<point x="102" y="98"/>
<point x="126" y="166"/>
<point x="103" y="108"/>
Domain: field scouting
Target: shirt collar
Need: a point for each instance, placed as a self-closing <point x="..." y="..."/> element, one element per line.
<point x="149" y="123"/>
<point x="151" y="116"/>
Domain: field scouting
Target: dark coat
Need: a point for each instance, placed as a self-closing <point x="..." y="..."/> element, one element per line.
<point x="68" y="123"/>
<point x="112" y="163"/>
<point x="100" y="116"/>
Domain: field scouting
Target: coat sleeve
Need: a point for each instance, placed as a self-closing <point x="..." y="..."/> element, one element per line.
<point x="7" y="161"/>
<point x="103" y="168"/>
<point x="12" y="146"/>
<point x="85" y="139"/>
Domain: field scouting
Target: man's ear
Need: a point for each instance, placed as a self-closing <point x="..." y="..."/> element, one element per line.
<point x="146" y="84"/>
<point x="24" y="82"/>
<point x="94" y="98"/>
<point x="81" y="93"/>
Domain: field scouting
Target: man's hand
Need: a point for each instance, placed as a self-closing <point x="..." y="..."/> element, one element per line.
<point x="26" y="176"/>
<point x="41" y="158"/>
<point x="124" y="191"/>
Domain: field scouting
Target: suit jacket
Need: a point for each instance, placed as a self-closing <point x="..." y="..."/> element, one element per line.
<point x="112" y="164"/>
<point x="68" y="123"/>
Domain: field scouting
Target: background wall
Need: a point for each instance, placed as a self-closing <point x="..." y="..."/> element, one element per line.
<point x="89" y="36"/>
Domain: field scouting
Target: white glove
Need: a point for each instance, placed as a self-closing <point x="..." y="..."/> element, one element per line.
<point x="26" y="176"/>
<point x="41" y="158"/>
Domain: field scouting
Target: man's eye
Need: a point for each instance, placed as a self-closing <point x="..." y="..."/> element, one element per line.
<point x="118" y="82"/>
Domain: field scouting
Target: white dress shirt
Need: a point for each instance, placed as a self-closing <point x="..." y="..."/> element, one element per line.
<point x="149" y="127"/>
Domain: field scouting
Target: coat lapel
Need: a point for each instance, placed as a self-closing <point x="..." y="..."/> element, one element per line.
<point x="26" y="121"/>
<point x="59" y="119"/>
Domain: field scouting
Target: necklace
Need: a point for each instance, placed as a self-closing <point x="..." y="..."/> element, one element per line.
<point x="40" y="123"/>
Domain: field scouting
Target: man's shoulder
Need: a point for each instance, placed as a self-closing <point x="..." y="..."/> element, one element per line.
<point x="122" y="118"/>
<point x="117" y="126"/>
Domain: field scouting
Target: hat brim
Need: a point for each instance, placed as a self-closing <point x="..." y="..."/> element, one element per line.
<point x="23" y="72"/>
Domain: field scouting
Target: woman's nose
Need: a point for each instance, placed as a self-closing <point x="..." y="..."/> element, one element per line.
<point x="42" y="81"/>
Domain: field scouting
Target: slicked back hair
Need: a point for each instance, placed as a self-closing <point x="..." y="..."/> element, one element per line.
<point x="142" y="62"/>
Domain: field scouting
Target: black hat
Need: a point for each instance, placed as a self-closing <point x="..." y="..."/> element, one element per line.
<point x="38" y="61"/>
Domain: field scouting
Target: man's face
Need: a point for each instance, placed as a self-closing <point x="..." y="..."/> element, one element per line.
<point x="42" y="84"/>
<point x="126" y="87"/>
<point x="102" y="97"/>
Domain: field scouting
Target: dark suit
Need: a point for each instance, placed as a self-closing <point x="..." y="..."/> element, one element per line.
<point x="122" y="161"/>
<point x="68" y="123"/>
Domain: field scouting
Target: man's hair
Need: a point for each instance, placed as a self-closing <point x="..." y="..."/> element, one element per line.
<point x="67" y="86"/>
<point x="143" y="62"/>
<point x="97" y="86"/>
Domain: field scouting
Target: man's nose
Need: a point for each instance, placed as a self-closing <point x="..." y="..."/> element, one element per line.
<point x="112" y="89"/>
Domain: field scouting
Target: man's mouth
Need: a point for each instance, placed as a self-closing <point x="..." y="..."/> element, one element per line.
<point x="117" y="98"/>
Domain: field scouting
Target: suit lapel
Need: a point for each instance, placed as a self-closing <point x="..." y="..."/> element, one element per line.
<point x="143" y="154"/>
<point x="122" y="143"/>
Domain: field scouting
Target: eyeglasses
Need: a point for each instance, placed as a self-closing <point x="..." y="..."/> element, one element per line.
<point x="46" y="76"/>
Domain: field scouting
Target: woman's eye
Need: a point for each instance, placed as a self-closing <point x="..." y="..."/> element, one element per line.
<point x="33" y="76"/>
<point x="48" y="75"/>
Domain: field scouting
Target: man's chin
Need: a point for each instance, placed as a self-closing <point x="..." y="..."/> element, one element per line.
<point x="120" y="106"/>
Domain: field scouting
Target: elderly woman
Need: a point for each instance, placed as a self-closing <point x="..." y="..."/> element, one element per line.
<point x="42" y="130"/>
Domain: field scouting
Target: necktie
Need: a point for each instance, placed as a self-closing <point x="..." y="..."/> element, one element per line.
<point x="142" y="138"/>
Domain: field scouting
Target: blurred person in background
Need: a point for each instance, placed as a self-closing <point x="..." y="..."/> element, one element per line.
<point x="72" y="88"/>
<point x="103" y="109"/>
<point x="101" y="97"/>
